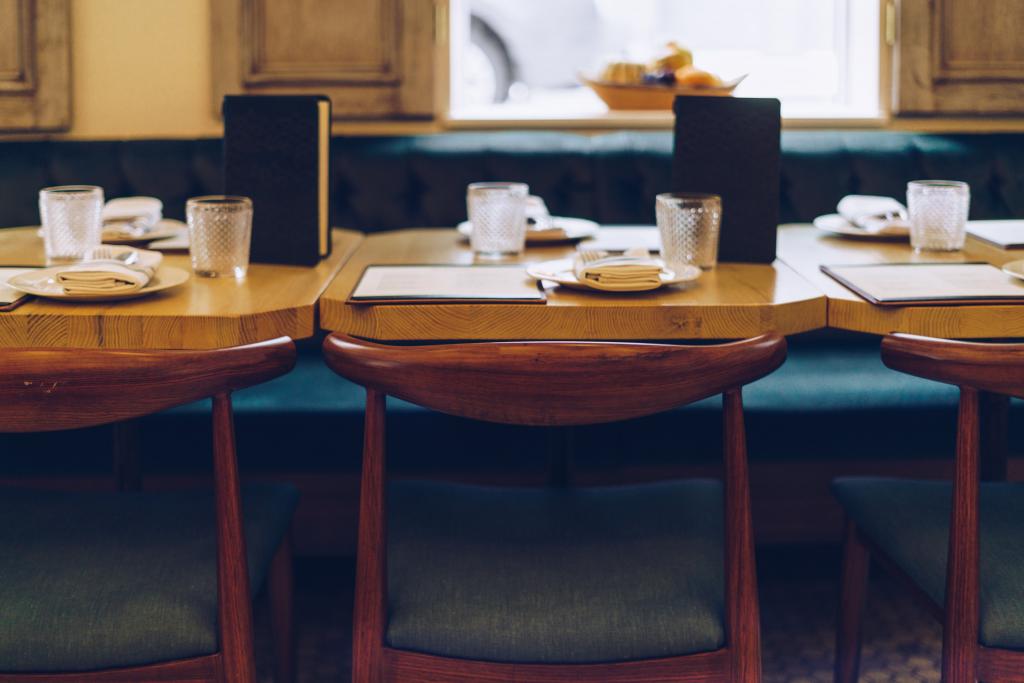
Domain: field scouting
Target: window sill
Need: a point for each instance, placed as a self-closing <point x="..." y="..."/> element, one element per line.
<point x="634" y="120"/>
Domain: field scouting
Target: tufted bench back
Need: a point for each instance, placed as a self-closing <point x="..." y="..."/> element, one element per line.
<point x="394" y="182"/>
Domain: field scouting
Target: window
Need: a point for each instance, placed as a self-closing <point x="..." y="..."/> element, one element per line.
<point x="523" y="59"/>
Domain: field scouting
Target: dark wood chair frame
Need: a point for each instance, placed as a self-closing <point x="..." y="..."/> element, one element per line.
<point x="45" y="390"/>
<point x="554" y="384"/>
<point x="987" y="375"/>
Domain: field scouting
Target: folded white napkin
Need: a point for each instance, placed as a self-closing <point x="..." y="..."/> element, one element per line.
<point x="880" y="215"/>
<point x="130" y="217"/>
<point x="538" y="218"/>
<point x="119" y="270"/>
<point x="633" y="270"/>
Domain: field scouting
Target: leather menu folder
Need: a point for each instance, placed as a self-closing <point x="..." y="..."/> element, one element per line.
<point x="277" y="153"/>
<point x="932" y="284"/>
<point x="729" y="146"/>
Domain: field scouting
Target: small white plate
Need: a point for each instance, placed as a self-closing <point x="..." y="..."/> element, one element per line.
<point x="167" y="227"/>
<point x="573" y="229"/>
<point x="561" y="272"/>
<point x="837" y="225"/>
<point x="1015" y="268"/>
<point x="43" y="283"/>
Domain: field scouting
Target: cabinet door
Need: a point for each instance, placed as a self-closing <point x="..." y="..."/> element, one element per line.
<point x="959" y="57"/>
<point x="34" y="65"/>
<point x="374" y="58"/>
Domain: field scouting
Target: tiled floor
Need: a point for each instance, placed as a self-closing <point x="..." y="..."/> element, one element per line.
<point x="901" y="641"/>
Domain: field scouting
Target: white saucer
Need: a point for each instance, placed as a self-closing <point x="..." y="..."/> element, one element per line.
<point x="561" y="272"/>
<point x="837" y="225"/>
<point x="1015" y="269"/>
<point x="167" y="227"/>
<point x="43" y="283"/>
<point x="572" y="229"/>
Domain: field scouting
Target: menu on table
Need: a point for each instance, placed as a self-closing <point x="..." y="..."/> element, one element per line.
<point x="10" y="297"/>
<point x="614" y="241"/>
<point x="902" y="284"/>
<point x="1003" y="234"/>
<point x="447" y="284"/>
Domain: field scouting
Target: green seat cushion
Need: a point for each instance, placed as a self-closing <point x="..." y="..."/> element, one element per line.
<point x="99" y="580"/>
<point x="556" y="575"/>
<point x="909" y="522"/>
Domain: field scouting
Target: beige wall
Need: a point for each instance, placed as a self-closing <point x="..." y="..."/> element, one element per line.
<point x="141" y="69"/>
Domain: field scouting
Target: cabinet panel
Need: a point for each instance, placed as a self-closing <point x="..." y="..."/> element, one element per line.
<point x="960" y="57"/>
<point x="34" y="65"/>
<point x="374" y="58"/>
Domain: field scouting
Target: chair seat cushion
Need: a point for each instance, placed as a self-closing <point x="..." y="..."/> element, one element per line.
<point x="909" y="522"/>
<point x="101" y="580"/>
<point x="556" y="575"/>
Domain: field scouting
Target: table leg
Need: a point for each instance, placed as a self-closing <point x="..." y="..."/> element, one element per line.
<point x="994" y="409"/>
<point x="127" y="456"/>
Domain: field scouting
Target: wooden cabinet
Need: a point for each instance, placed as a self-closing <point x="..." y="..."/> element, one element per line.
<point x="959" y="57"/>
<point x="35" y="84"/>
<point x="374" y="58"/>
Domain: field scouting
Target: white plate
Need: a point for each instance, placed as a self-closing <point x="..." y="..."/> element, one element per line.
<point x="167" y="227"/>
<point x="43" y="282"/>
<point x="574" y="229"/>
<point x="837" y="225"/>
<point x="561" y="271"/>
<point x="1015" y="268"/>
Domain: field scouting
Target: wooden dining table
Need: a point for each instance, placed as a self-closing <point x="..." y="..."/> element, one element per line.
<point x="729" y="302"/>
<point x="805" y="249"/>
<point x="203" y="313"/>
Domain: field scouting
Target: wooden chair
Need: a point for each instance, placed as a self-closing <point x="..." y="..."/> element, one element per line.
<point x="122" y="587"/>
<point x="957" y="546"/>
<point x="464" y="583"/>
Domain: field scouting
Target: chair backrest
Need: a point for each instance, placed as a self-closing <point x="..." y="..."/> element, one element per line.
<point x="998" y="368"/>
<point x="553" y="383"/>
<point x="53" y="389"/>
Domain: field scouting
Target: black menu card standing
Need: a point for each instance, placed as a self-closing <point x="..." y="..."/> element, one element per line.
<point x="277" y="152"/>
<point x="729" y="146"/>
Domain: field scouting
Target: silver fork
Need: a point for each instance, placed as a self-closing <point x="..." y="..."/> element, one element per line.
<point x="109" y="254"/>
<point x="591" y="255"/>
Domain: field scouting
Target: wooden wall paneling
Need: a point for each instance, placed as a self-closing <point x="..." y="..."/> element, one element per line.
<point x="374" y="58"/>
<point x="35" y="74"/>
<point x="959" y="57"/>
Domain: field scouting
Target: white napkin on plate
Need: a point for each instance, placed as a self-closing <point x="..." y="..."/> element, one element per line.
<point x="119" y="270"/>
<point x="130" y="217"/>
<point x="879" y="215"/>
<point x="539" y="221"/>
<point x="633" y="270"/>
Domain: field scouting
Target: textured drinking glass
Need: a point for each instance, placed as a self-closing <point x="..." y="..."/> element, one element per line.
<point x="72" y="220"/>
<point x="497" y="212"/>
<point x="219" y="232"/>
<point x="689" y="224"/>
<point x="938" y="214"/>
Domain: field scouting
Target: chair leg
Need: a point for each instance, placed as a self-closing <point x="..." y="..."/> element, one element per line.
<point x="853" y="591"/>
<point x="279" y="590"/>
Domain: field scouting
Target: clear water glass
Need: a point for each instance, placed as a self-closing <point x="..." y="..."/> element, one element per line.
<point x="689" y="224"/>
<point x="497" y="212"/>
<point x="219" y="231"/>
<point x="938" y="212"/>
<point x="72" y="220"/>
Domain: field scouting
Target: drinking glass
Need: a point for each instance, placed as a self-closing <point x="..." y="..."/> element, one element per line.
<point x="72" y="220"/>
<point x="938" y="214"/>
<point x="689" y="224"/>
<point x="497" y="212"/>
<point x="219" y="231"/>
